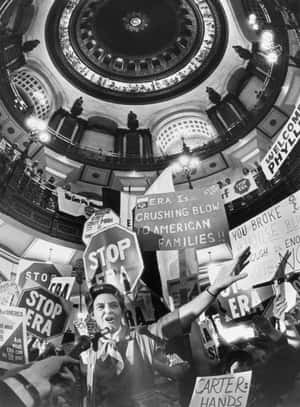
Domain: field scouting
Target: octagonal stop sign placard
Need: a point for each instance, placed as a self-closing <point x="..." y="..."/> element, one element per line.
<point x="40" y="272"/>
<point x="47" y="314"/>
<point x="113" y="256"/>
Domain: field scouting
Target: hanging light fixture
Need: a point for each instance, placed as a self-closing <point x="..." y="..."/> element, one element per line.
<point x="186" y="163"/>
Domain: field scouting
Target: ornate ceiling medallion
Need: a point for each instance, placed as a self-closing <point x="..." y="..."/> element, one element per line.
<point x="135" y="21"/>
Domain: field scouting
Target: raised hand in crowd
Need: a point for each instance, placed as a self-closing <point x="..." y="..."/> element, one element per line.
<point x="225" y="278"/>
<point x="280" y="271"/>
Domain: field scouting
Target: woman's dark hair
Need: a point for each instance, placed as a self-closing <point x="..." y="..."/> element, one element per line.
<point x="240" y="356"/>
<point x="104" y="289"/>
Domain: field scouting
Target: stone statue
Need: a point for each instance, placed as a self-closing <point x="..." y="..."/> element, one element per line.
<point x="243" y="53"/>
<point x="132" y="121"/>
<point x="213" y="96"/>
<point x="77" y="108"/>
<point x="28" y="46"/>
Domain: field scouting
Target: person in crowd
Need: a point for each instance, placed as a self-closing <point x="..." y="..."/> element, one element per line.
<point x="187" y="373"/>
<point x="4" y="169"/>
<point x="120" y="367"/>
<point x="49" y="187"/>
<point x="37" y="182"/>
<point x="67" y="187"/>
<point x="238" y="361"/>
<point x="242" y="360"/>
<point x="34" y="169"/>
<point x="33" y="383"/>
<point x="273" y="362"/>
<point x="13" y="152"/>
<point x="32" y="173"/>
<point x="278" y="372"/>
<point x="26" y="176"/>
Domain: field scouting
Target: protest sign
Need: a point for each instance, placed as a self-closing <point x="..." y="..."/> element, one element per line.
<point x="39" y="272"/>
<point x="113" y="256"/>
<point x="62" y="286"/>
<point x="74" y="204"/>
<point x="222" y="391"/>
<point x="270" y="234"/>
<point x="284" y="144"/>
<point x="101" y="219"/>
<point x="209" y="339"/>
<point x="13" y="344"/>
<point x="47" y="314"/>
<point x="9" y="292"/>
<point x="177" y="220"/>
<point x="238" y="303"/>
<point x="240" y="186"/>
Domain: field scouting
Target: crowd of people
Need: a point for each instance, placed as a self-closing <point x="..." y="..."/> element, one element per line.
<point x="121" y="362"/>
<point x="123" y="367"/>
<point x="27" y="176"/>
<point x="40" y="189"/>
<point x="149" y="365"/>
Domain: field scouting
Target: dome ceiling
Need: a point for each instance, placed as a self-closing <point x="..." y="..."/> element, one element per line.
<point x="175" y="68"/>
<point x="114" y="54"/>
<point x="136" y="51"/>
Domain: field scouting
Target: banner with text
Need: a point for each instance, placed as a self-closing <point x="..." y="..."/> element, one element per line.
<point x="224" y="390"/>
<point x="74" y="204"/>
<point x="284" y="144"/>
<point x="13" y="345"/>
<point x="270" y="234"/>
<point x="188" y="219"/>
<point x="240" y="186"/>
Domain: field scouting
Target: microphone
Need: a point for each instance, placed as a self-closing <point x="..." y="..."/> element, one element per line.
<point x="98" y="335"/>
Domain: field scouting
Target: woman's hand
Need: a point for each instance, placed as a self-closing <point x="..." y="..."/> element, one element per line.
<point x="227" y="277"/>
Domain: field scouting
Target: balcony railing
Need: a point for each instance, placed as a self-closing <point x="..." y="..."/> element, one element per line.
<point x="35" y="206"/>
